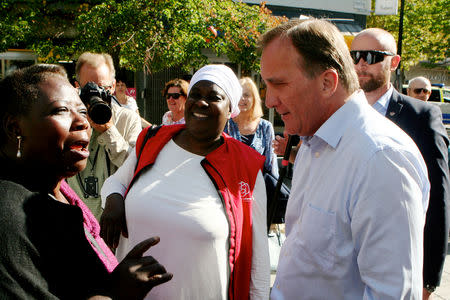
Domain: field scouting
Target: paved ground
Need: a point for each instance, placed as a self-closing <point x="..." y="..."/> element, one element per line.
<point x="441" y="293"/>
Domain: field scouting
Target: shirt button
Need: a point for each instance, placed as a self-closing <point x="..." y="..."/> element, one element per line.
<point x="317" y="154"/>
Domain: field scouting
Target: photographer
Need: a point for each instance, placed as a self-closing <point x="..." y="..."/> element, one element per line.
<point x="111" y="141"/>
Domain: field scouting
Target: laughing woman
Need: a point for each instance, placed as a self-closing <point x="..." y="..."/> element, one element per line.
<point x="51" y="248"/>
<point x="190" y="188"/>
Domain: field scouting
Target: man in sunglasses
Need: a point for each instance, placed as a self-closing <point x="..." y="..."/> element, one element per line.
<point x="374" y="54"/>
<point x="419" y="88"/>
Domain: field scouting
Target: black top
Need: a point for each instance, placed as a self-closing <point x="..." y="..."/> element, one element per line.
<point x="44" y="253"/>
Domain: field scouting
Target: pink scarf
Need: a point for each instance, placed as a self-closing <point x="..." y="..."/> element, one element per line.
<point x="91" y="224"/>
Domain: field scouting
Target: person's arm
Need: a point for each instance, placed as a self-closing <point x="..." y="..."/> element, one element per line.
<point x="387" y="210"/>
<point x="260" y="273"/>
<point x="433" y="144"/>
<point x="113" y="221"/>
<point x="121" y="138"/>
<point x="270" y="137"/>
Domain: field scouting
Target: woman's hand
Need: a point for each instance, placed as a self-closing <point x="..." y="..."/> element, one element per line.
<point x="112" y="221"/>
<point x="136" y="275"/>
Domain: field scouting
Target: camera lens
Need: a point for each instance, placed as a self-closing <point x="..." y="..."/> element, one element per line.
<point x="99" y="111"/>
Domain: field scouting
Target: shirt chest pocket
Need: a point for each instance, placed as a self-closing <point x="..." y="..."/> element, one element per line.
<point x="317" y="236"/>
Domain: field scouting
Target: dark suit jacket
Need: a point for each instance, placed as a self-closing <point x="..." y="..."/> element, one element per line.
<point x="423" y="123"/>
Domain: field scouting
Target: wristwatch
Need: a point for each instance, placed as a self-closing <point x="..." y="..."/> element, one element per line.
<point x="430" y="288"/>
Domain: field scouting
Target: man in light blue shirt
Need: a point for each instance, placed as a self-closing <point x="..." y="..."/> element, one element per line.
<point x="354" y="221"/>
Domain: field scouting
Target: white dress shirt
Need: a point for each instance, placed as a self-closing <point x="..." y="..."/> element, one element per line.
<point x="354" y="221"/>
<point x="382" y="104"/>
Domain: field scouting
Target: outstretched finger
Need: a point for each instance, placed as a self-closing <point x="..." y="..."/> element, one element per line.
<point x="160" y="278"/>
<point x="143" y="246"/>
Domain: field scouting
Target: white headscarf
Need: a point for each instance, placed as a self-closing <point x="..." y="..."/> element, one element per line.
<point x="225" y="78"/>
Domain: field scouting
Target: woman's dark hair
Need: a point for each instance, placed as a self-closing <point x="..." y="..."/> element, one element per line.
<point x="19" y="90"/>
<point x="182" y="84"/>
<point x="122" y="79"/>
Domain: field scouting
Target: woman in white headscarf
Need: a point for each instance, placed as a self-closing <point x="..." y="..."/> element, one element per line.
<point x="190" y="188"/>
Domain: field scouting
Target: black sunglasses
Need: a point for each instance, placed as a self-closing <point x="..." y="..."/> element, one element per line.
<point x="370" y="56"/>
<point x="420" y="90"/>
<point x="173" y="95"/>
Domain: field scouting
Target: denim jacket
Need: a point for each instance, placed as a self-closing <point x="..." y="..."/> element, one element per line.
<point x="262" y="142"/>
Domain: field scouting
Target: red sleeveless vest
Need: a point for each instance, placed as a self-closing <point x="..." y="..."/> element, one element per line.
<point x="233" y="168"/>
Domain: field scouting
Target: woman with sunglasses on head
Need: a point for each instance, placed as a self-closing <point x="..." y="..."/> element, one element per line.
<point x="51" y="248"/>
<point x="175" y="92"/>
<point x="203" y="192"/>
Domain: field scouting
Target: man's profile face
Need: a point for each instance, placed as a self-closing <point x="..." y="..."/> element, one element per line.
<point x="289" y="90"/>
<point x="371" y="77"/>
<point x="419" y="90"/>
<point x="100" y="75"/>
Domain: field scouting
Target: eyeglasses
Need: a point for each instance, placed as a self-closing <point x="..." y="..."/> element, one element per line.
<point x="173" y="95"/>
<point x="370" y="56"/>
<point x="420" y="90"/>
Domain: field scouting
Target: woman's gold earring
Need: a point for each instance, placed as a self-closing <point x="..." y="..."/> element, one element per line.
<point x="19" y="142"/>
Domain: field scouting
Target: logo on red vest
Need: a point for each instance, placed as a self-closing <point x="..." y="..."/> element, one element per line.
<point x="244" y="190"/>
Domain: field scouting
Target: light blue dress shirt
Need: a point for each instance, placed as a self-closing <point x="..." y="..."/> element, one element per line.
<point x="382" y="104"/>
<point x="354" y="221"/>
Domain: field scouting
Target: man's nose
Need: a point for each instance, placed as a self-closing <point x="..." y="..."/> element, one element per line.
<point x="270" y="101"/>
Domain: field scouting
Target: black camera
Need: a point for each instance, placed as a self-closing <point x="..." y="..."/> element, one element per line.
<point x="97" y="101"/>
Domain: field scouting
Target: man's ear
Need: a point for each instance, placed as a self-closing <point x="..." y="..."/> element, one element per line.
<point x="329" y="82"/>
<point x="113" y="89"/>
<point x="395" y="61"/>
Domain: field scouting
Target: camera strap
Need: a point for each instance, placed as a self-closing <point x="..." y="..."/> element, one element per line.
<point x="90" y="184"/>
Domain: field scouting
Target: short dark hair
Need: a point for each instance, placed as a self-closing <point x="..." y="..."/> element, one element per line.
<point x="19" y="90"/>
<point x="321" y="47"/>
<point x="177" y="82"/>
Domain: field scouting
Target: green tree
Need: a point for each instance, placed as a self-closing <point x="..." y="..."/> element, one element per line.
<point x="426" y="29"/>
<point x="149" y="34"/>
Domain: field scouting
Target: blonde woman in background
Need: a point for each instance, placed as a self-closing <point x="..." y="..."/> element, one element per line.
<point x="249" y="128"/>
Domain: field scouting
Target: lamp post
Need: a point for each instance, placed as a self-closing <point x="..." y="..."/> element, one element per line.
<point x="398" y="79"/>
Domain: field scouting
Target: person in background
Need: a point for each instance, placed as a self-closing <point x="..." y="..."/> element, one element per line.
<point x="128" y="101"/>
<point x="110" y="142"/>
<point x="375" y="57"/>
<point x="175" y="92"/>
<point x="355" y="216"/>
<point x="191" y="188"/>
<point x="419" y="88"/>
<point x="249" y="127"/>
<point x="51" y="248"/>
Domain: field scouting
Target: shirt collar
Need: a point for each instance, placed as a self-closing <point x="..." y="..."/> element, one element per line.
<point x="333" y="129"/>
<point x="382" y="104"/>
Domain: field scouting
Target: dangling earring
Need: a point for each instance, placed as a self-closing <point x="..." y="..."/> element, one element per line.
<point x="19" y="142"/>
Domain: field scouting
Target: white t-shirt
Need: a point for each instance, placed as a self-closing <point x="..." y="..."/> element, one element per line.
<point x="177" y="201"/>
<point x="131" y="104"/>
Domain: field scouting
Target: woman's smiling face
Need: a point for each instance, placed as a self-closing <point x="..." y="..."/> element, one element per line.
<point x="207" y="110"/>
